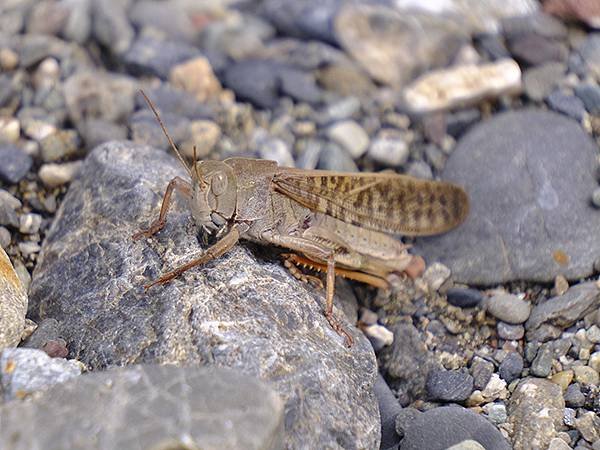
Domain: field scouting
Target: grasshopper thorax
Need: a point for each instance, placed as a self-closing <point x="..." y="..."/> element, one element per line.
<point x="214" y="195"/>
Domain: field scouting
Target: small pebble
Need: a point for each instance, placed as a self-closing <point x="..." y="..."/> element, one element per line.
<point x="8" y="59"/>
<point x="495" y="388"/>
<point x="563" y="378"/>
<point x="586" y="375"/>
<point x="379" y="336"/>
<point x="558" y="444"/>
<point x="389" y="148"/>
<point x="468" y="444"/>
<point x="15" y="163"/>
<point x="569" y="417"/>
<point x="566" y="104"/>
<point x="10" y="129"/>
<point x="542" y="364"/>
<point x="4" y="238"/>
<point x="464" y="297"/>
<point x="342" y="109"/>
<point x="59" y="145"/>
<point x="196" y="76"/>
<point x="589" y="94"/>
<point x="511" y="367"/>
<point x="53" y="175"/>
<point x="481" y="371"/>
<point x="573" y="396"/>
<point x="561" y="285"/>
<point x="510" y="332"/>
<point x="30" y="223"/>
<point x="351" y="136"/>
<point x="496" y="412"/>
<point x="8" y="209"/>
<point x="436" y="275"/>
<point x="449" y="385"/>
<point x="204" y="135"/>
<point x="593" y="334"/>
<point x="588" y="424"/>
<point x="508" y="308"/>
<point x="29" y="248"/>
<point x="594" y="361"/>
<point x="419" y="169"/>
<point x="334" y="157"/>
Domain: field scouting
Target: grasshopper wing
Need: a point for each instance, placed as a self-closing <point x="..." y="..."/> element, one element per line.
<point x="380" y="201"/>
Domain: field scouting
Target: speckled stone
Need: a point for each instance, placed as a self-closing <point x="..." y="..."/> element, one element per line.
<point x="13" y="304"/>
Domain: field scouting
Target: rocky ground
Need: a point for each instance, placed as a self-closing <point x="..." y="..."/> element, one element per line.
<point x="497" y="343"/>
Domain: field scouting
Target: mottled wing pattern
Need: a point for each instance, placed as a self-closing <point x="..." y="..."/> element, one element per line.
<point x="379" y="201"/>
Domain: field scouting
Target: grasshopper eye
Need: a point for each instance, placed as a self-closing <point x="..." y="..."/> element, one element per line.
<point x="218" y="183"/>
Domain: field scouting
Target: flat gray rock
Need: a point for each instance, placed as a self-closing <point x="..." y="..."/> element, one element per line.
<point x="240" y="310"/>
<point x="530" y="176"/>
<point x="145" y="407"/>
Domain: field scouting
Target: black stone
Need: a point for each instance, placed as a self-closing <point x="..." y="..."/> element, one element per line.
<point x="511" y="367"/>
<point x="449" y="385"/>
<point x="464" y="297"/>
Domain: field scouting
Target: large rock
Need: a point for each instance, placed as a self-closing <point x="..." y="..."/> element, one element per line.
<point x="148" y="407"/>
<point x="13" y="304"/>
<point x="238" y="311"/>
<point x="529" y="176"/>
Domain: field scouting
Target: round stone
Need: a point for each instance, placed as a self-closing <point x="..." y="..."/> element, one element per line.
<point x="509" y="308"/>
<point x="351" y="136"/>
<point x="464" y="297"/>
<point x="510" y="332"/>
<point x="449" y="385"/>
<point x="529" y="175"/>
<point x="511" y="367"/>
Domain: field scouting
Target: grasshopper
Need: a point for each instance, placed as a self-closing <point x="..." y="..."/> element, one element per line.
<point x="334" y="222"/>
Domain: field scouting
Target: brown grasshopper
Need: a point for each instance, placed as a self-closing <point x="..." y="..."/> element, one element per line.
<point x="335" y="221"/>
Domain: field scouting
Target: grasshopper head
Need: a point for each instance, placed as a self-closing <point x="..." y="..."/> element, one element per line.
<point x="214" y="195"/>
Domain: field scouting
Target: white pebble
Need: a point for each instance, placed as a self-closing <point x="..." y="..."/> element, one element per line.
<point x="30" y="223"/>
<point x="351" y="136"/>
<point x="53" y="175"/>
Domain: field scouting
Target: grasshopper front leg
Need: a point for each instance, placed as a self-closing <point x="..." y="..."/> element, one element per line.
<point x="218" y="249"/>
<point x="176" y="183"/>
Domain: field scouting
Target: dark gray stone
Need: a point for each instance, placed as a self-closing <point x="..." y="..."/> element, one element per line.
<point x="440" y="428"/>
<point x="309" y="19"/>
<point x="449" y="385"/>
<point x="538" y="22"/>
<point x="300" y="85"/>
<point x="481" y="371"/>
<point x="389" y="408"/>
<point x="457" y="123"/>
<point x="47" y="330"/>
<point x="539" y="81"/>
<point x="144" y="129"/>
<point x="110" y="25"/>
<point x="511" y="367"/>
<point x="589" y="94"/>
<point x="564" y="310"/>
<point x="254" y="81"/>
<point x="492" y="45"/>
<point x="236" y="311"/>
<point x="151" y="56"/>
<point x="464" y="297"/>
<point x="168" y="99"/>
<point x="407" y="362"/>
<point x="567" y="104"/>
<point x="143" y="407"/>
<point x="334" y="157"/>
<point x="535" y="411"/>
<point x="8" y="209"/>
<point x="542" y="363"/>
<point x="534" y="49"/>
<point x="15" y="163"/>
<point x="574" y="398"/>
<point x="529" y="176"/>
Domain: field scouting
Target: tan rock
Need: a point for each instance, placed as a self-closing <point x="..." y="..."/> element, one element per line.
<point x="13" y="304"/>
<point x="196" y="77"/>
<point x="461" y="86"/>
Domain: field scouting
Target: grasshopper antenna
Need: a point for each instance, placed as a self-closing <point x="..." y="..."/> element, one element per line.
<point x="196" y="165"/>
<point x="173" y="146"/>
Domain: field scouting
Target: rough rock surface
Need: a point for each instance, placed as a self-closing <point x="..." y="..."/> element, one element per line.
<point x="148" y="407"/>
<point x="531" y="220"/>
<point x="566" y="309"/>
<point x="13" y="304"/>
<point x="536" y="411"/>
<point x="239" y="311"/>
